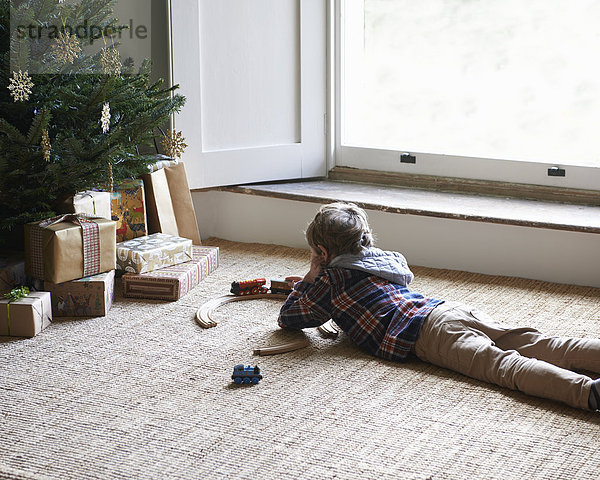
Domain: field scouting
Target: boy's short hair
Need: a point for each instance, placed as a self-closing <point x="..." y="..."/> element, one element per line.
<point x="340" y="228"/>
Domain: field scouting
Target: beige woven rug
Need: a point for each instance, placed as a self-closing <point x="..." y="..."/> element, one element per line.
<point x="146" y="393"/>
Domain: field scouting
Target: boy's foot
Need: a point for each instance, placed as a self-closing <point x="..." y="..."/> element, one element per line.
<point x="594" y="400"/>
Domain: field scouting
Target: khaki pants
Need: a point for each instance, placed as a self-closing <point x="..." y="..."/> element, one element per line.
<point x="460" y="338"/>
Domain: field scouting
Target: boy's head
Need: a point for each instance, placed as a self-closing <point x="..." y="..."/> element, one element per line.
<point x="339" y="228"/>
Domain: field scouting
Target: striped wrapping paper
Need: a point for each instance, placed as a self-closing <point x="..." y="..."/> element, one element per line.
<point x="172" y="283"/>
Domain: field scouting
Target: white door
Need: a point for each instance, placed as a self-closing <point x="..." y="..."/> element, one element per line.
<point x="254" y="75"/>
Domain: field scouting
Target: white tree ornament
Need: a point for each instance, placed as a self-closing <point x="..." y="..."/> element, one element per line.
<point x="20" y="86"/>
<point x="105" y="118"/>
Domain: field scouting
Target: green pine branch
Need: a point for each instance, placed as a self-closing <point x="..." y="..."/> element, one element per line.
<point x="68" y="104"/>
<point x="39" y="124"/>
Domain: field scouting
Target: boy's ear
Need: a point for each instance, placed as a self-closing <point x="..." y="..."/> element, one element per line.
<point x="324" y="253"/>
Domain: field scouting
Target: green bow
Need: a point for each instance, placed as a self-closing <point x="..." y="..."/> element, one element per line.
<point x="16" y="293"/>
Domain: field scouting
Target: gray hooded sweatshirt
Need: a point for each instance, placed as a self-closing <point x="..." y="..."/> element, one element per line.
<point x="389" y="265"/>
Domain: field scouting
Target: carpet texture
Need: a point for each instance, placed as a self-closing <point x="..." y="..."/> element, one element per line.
<point x="146" y="393"/>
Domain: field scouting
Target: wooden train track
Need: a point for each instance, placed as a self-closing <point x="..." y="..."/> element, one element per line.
<point x="205" y="320"/>
<point x="204" y="313"/>
<point x="283" y="347"/>
<point x="329" y="329"/>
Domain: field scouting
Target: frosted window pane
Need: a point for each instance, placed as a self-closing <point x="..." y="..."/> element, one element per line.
<point x="508" y="79"/>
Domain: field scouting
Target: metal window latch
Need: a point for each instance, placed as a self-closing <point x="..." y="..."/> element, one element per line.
<point x="407" y="158"/>
<point x="557" y="172"/>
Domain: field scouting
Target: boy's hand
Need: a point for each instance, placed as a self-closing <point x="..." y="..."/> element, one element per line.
<point x="291" y="280"/>
<point x="316" y="264"/>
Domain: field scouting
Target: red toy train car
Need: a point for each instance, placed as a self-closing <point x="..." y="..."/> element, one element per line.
<point x="258" y="286"/>
<point x="249" y="287"/>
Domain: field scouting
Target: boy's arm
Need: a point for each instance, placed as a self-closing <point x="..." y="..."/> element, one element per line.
<point x="309" y="304"/>
<point x="407" y="275"/>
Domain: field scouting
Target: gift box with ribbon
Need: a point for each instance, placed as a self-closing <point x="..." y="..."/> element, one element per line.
<point x="91" y="202"/>
<point x="159" y="250"/>
<point x="24" y="313"/>
<point x="128" y="209"/>
<point x="172" y="283"/>
<point x="86" y="297"/>
<point x="69" y="247"/>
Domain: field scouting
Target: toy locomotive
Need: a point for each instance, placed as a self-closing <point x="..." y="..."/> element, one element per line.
<point x="249" y="287"/>
<point x="258" y="286"/>
<point x="246" y="374"/>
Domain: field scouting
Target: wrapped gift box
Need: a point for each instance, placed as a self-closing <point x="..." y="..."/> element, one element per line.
<point x="25" y="317"/>
<point x="172" y="283"/>
<point x="63" y="250"/>
<point x="86" y="297"/>
<point x="128" y="209"/>
<point x="159" y="250"/>
<point x="12" y="271"/>
<point x="96" y="204"/>
<point x="162" y="161"/>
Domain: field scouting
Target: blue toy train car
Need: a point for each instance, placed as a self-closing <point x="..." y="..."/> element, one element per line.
<point x="246" y="374"/>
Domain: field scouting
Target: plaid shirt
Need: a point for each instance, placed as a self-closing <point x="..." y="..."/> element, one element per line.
<point x="382" y="318"/>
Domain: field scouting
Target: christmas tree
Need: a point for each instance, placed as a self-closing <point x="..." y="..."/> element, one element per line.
<point x="69" y="120"/>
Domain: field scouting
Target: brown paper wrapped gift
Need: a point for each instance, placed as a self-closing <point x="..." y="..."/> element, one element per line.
<point x="169" y="203"/>
<point x="27" y="316"/>
<point x="56" y="253"/>
<point x="90" y="202"/>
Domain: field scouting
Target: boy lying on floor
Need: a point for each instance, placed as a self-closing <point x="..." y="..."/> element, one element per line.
<point x="364" y="290"/>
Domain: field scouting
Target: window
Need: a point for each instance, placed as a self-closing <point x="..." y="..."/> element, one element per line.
<point x="495" y="90"/>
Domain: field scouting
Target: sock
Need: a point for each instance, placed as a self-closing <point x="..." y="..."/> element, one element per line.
<point x="594" y="400"/>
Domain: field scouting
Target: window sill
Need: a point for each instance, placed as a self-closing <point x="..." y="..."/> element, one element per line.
<point x="450" y="205"/>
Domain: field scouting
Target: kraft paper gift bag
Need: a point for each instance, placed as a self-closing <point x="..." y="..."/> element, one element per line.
<point x="169" y="203"/>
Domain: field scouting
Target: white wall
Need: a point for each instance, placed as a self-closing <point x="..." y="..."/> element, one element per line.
<point x="550" y="255"/>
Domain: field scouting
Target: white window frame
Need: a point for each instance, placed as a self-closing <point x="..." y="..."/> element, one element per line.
<point x="498" y="170"/>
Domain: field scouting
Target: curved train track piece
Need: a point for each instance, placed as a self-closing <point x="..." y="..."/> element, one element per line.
<point x="329" y="329"/>
<point x="205" y="320"/>
<point x="204" y="313"/>
<point x="283" y="347"/>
